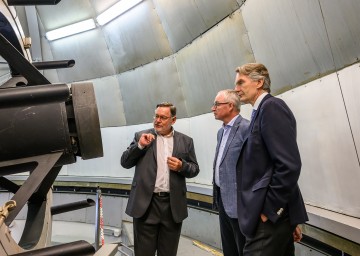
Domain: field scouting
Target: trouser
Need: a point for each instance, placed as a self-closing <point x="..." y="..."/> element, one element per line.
<point x="232" y="239"/>
<point x="156" y="231"/>
<point x="271" y="239"/>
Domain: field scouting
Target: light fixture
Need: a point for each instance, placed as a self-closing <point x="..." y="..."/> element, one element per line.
<point x="32" y="2"/>
<point x="116" y="10"/>
<point x="71" y="29"/>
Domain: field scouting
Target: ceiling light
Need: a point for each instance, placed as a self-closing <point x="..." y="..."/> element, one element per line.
<point x="71" y="29"/>
<point x="33" y="2"/>
<point x="116" y="10"/>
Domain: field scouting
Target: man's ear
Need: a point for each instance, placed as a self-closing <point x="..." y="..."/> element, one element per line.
<point x="260" y="84"/>
<point x="232" y="105"/>
<point x="173" y="120"/>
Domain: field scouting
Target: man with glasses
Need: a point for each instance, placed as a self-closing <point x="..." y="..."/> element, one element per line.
<point x="230" y="139"/>
<point x="163" y="158"/>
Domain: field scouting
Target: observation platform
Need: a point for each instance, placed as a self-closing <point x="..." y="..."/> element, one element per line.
<point x="326" y="233"/>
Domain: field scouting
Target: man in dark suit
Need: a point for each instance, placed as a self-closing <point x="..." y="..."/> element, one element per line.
<point x="163" y="158"/>
<point x="230" y="138"/>
<point x="270" y="204"/>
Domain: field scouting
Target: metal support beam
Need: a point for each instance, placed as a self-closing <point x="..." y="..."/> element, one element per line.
<point x="20" y="64"/>
<point x="45" y="164"/>
<point x="58" y="209"/>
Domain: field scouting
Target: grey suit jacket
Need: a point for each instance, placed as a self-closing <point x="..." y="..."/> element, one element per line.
<point x="145" y="164"/>
<point x="227" y="168"/>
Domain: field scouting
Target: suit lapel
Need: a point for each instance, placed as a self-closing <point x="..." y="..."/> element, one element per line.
<point x="153" y="145"/>
<point x="258" y="111"/>
<point x="231" y="136"/>
<point x="176" y="144"/>
<point x="219" y="137"/>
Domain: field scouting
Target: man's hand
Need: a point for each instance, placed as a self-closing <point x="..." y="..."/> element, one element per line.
<point x="297" y="234"/>
<point x="146" y="139"/>
<point x="263" y="218"/>
<point x="174" y="163"/>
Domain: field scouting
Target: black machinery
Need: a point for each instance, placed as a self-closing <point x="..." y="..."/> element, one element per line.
<point x="43" y="127"/>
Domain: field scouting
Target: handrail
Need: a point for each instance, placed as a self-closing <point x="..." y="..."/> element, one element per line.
<point x="99" y="223"/>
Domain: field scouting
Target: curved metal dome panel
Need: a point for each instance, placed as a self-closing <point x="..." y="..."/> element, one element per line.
<point x="208" y="64"/>
<point x="65" y="13"/>
<point x="342" y="25"/>
<point x="90" y="52"/>
<point x="136" y="38"/>
<point x="185" y="20"/>
<point x="145" y="87"/>
<point x="289" y="37"/>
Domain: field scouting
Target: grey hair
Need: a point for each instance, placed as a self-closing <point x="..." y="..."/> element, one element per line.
<point x="232" y="97"/>
<point x="256" y="72"/>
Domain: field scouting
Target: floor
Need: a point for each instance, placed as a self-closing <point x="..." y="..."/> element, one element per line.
<point x="66" y="231"/>
<point x="187" y="246"/>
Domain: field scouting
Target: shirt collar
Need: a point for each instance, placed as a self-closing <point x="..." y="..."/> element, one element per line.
<point x="259" y="99"/>
<point x="231" y="123"/>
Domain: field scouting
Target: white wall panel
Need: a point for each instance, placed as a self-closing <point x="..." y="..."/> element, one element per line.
<point x="203" y="129"/>
<point x="349" y="83"/>
<point x="330" y="171"/>
<point x="115" y="141"/>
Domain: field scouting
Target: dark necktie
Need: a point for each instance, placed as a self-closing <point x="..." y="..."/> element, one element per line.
<point x="253" y="114"/>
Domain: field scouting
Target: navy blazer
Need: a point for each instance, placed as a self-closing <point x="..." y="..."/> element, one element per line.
<point x="269" y="168"/>
<point x="143" y="184"/>
<point x="227" y="167"/>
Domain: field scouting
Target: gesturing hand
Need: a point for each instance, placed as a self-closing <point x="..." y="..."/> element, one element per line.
<point x="174" y="163"/>
<point x="146" y="139"/>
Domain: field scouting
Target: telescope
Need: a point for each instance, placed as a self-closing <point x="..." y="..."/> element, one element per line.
<point x="43" y="127"/>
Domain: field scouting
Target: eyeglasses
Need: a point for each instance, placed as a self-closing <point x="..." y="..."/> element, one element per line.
<point x="216" y="104"/>
<point x="162" y="118"/>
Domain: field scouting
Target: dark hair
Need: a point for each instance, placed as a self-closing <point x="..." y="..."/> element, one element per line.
<point x="169" y="105"/>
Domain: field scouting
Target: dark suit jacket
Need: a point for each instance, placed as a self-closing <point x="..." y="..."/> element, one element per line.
<point x="227" y="168"/>
<point x="269" y="167"/>
<point x="145" y="174"/>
